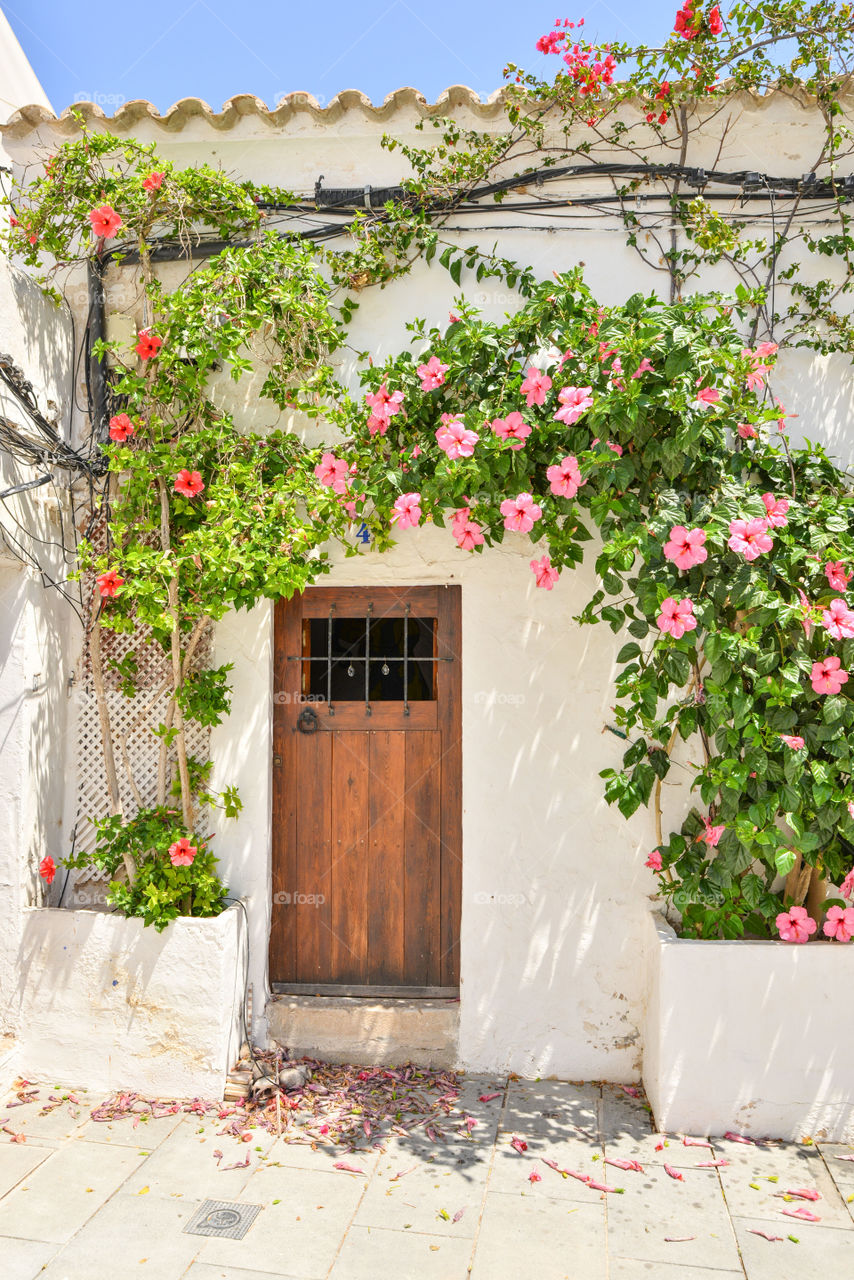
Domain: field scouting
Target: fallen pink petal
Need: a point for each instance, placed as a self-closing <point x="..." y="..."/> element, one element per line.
<point x="673" y="1173"/>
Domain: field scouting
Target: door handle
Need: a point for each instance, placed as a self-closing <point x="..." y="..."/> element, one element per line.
<point x="307" y="721"/>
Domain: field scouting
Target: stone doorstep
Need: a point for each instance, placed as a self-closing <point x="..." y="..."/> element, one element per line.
<point x="369" y="1032"/>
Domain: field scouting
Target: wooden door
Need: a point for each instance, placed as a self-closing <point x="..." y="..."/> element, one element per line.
<point x="367" y="797"/>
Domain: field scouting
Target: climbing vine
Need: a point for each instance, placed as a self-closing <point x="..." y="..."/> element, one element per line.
<point x="647" y="430"/>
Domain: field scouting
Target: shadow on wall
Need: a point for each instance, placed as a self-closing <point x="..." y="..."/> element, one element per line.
<point x="554" y="889"/>
<point x="820" y="391"/>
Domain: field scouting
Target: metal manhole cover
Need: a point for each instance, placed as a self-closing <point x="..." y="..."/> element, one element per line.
<point x="222" y="1218"/>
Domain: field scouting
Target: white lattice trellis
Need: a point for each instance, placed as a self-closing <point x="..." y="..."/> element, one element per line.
<point x="131" y="720"/>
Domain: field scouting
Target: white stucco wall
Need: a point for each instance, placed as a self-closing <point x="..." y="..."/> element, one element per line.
<point x="37" y="641"/>
<point x="104" y="1001"/>
<point x="555" y="894"/>
<point x="746" y="1036"/>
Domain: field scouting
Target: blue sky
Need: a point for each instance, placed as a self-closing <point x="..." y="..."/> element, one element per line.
<point x="164" y="50"/>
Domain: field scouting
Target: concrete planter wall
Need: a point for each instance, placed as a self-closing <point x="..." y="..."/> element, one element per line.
<point x="105" y="1003"/>
<point x="755" y="1037"/>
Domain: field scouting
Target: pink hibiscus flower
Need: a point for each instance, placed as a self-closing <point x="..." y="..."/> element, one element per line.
<point x="513" y="427"/>
<point x="827" y="676"/>
<point x="182" y="853"/>
<point x="676" y="617"/>
<point x="749" y="537"/>
<point x="711" y="835"/>
<point x="455" y="440"/>
<point x="708" y="395"/>
<point x="574" y="401"/>
<point x="837" y="576"/>
<point x="766" y="349"/>
<point x="384" y="404"/>
<point x="565" y="477"/>
<point x="188" y="483"/>
<point x="545" y="573"/>
<point x="791" y="740"/>
<point x="776" y="508"/>
<point x="120" y="428"/>
<point x="654" y="860"/>
<point x="747" y="431"/>
<point x="332" y="472"/>
<point x="846" y="889"/>
<point x="432" y="374"/>
<point x="840" y="924"/>
<point x="468" y="534"/>
<point x="105" y="221"/>
<point x="838" y="620"/>
<point x="644" y="367"/>
<point x="535" y="387"/>
<point x="795" y="925"/>
<point x="407" y="511"/>
<point x="609" y="444"/>
<point x="685" y="547"/>
<point x="520" y="513"/>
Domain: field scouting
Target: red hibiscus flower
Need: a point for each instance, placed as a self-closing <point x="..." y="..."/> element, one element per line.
<point x="47" y="869"/>
<point x="105" y="221"/>
<point x="120" y="428"/>
<point x="109" y="583"/>
<point x="188" y="483"/>
<point x="148" y="344"/>
<point x="153" y="182"/>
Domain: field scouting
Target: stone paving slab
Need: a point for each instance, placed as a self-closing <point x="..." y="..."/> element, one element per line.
<point x="64" y="1191"/>
<point x="661" y="1219"/>
<point x="536" y="1236"/>
<point x="130" y="1236"/>
<point x="24" y="1259"/>
<point x="840" y="1170"/>
<point x="819" y="1253"/>
<point x="83" y="1200"/>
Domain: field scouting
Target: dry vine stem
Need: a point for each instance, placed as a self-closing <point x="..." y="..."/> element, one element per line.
<point x="177" y="668"/>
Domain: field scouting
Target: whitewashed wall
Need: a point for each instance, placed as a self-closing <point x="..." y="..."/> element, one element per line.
<point x="37" y="645"/>
<point x="554" y="889"/>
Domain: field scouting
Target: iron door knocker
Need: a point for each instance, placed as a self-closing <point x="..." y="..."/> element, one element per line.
<point x="307" y="721"/>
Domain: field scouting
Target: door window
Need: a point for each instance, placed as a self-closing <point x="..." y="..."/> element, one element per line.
<point x="367" y="659"/>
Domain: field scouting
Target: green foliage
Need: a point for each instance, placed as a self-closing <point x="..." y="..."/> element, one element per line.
<point x="160" y="891"/>
<point x="738" y="681"/>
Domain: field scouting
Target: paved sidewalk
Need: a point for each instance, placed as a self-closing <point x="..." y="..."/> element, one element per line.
<point x="82" y="1200"/>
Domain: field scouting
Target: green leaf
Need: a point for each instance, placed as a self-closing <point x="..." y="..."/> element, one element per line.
<point x="784" y="860"/>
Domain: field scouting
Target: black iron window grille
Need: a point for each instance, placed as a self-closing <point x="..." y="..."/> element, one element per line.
<point x="370" y="658"/>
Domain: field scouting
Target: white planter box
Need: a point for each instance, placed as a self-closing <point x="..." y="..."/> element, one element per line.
<point x="754" y="1037"/>
<point x="103" y="1003"/>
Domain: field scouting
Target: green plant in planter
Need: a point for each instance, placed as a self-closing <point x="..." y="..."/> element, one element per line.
<point x="174" y="870"/>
